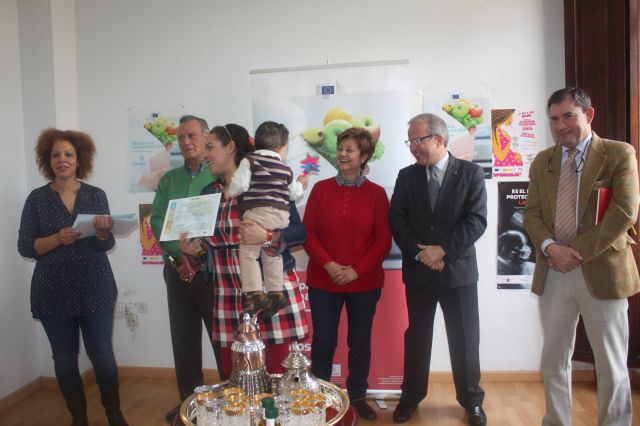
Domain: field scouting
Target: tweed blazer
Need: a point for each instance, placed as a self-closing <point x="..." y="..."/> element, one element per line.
<point x="608" y="264"/>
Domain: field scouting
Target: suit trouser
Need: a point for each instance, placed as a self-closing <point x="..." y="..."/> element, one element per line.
<point x="565" y="297"/>
<point x="250" y="272"/>
<point x="461" y="318"/>
<point x="189" y="306"/>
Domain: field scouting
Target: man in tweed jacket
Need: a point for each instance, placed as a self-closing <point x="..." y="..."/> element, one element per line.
<point x="591" y="273"/>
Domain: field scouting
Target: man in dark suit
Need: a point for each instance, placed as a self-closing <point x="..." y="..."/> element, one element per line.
<point x="438" y="211"/>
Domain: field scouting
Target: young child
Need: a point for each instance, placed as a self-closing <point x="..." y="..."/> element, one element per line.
<point x="265" y="186"/>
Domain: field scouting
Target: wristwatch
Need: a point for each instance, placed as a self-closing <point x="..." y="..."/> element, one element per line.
<point x="202" y="249"/>
<point x="269" y="240"/>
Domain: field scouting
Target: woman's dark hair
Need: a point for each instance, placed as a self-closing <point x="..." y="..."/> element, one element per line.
<point x="82" y="143"/>
<point x="363" y="139"/>
<point x="239" y="135"/>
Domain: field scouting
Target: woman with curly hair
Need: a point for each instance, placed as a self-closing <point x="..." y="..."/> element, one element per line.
<point x="72" y="288"/>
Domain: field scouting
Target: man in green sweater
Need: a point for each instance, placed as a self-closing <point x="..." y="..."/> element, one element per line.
<point x="189" y="303"/>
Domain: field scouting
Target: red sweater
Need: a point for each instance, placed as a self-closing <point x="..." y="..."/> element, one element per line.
<point x="348" y="225"/>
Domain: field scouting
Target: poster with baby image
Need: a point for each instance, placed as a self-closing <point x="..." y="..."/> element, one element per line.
<point x="516" y="255"/>
<point x="469" y="123"/>
<point x="514" y="141"/>
<point x="317" y="105"/>
<point x="152" y="147"/>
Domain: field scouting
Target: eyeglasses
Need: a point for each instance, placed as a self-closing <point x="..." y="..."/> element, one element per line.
<point x="418" y="140"/>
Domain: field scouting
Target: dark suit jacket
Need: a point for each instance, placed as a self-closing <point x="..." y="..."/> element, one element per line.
<point x="608" y="265"/>
<point x="459" y="219"/>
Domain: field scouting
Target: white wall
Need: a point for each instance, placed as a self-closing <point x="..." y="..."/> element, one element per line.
<point x="154" y="54"/>
<point x="18" y="339"/>
<point x="197" y="53"/>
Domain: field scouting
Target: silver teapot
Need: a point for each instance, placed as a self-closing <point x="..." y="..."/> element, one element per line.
<point x="249" y="370"/>
<point x="297" y="374"/>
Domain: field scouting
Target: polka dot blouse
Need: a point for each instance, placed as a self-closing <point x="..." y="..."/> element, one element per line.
<point x="73" y="279"/>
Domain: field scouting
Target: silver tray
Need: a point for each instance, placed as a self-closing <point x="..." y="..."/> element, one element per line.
<point x="336" y="399"/>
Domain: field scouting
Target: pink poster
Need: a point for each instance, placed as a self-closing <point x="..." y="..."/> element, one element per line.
<point x="151" y="252"/>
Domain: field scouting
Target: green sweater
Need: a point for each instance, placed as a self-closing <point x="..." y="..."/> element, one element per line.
<point x="176" y="183"/>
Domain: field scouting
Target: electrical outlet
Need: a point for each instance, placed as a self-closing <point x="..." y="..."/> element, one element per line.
<point x="129" y="308"/>
<point x="132" y="321"/>
<point x="119" y="310"/>
<point x="142" y="307"/>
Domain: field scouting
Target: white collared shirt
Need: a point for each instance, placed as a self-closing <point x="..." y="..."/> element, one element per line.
<point x="441" y="165"/>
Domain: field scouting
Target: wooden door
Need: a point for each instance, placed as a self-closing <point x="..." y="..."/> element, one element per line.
<point x="601" y="56"/>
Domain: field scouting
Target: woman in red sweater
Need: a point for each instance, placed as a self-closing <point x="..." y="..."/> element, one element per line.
<point x="348" y="237"/>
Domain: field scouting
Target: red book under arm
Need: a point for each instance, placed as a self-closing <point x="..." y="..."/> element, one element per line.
<point x="604" y="197"/>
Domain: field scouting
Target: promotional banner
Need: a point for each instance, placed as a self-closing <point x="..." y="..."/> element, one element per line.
<point x="152" y="147"/>
<point x="469" y="123"/>
<point x="516" y="254"/>
<point x="514" y="139"/>
<point x="316" y="104"/>
<point x="387" y="340"/>
<point x="151" y="253"/>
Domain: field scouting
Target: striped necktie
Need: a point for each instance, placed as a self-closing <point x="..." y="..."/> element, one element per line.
<point x="566" y="200"/>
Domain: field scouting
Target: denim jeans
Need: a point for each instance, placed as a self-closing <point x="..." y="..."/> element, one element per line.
<point x="326" y="307"/>
<point x="64" y="336"/>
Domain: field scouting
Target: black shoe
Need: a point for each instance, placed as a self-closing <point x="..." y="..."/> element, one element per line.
<point x="403" y="412"/>
<point x="364" y="409"/>
<point x="80" y="421"/>
<point x="171" y="415"/>
<point x="115" y="418"/>
<point x="254" y="301"/>
<point x="277" y="301"/>
<point x="477" y="417"/>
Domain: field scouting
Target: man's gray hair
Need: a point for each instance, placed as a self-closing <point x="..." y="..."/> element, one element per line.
<point x="202" y="121"/>
<point x="437" y="125"/>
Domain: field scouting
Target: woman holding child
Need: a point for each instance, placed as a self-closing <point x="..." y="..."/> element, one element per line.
<point x="226" y="147"/>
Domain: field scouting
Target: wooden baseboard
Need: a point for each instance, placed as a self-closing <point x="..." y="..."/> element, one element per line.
<point x="20" y="394"/>
<point x="513" y="376"/>
<point x="51" y="382"/>
<point x="634" y="375"/>
<point x="211" y="376"/>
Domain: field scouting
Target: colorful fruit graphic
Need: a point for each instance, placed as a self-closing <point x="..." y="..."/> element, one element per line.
<point x="476" y="110"/>
<point x="163" y="129"/>
<point x="370" y="124"/>
<point x="336" y="120"/>
<point x="336" y="114"/>
<point x="459" y="111"/>
<point x="467" y="113"/>
<point x="331" y="132"/>
<point x="313" y="135"/>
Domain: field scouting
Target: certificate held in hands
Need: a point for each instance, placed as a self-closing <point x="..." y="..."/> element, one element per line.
<point x="195" y="215"/>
